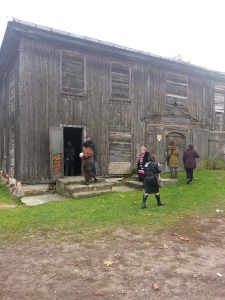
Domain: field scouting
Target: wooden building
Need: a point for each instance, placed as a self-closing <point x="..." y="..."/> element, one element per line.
<point x="56" y="86"/>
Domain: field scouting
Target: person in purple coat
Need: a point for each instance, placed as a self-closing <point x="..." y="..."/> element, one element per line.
<point x="189" y="157"/>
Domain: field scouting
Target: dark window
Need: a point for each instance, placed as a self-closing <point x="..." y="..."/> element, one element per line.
<point x="176" y="90"/>
<point x="73" y="73"/>
<point x="120" y="81"/>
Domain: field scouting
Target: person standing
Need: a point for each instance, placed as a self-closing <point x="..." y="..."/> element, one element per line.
<point x="143" y="159"/>
<point x="69" y="157"/>
<point x="173" y="163"/>
<point x="87" y="162"/>
<point x="189" y="156"/>
<point x="152" y="171"/>
<point x="93" y="146"/>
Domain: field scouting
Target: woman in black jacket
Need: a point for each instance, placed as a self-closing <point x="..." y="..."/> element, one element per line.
<point x="152" y="171"/>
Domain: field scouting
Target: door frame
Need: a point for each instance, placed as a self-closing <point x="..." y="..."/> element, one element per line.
<point x="83" y="135"/>
<point x="173" y="134"/>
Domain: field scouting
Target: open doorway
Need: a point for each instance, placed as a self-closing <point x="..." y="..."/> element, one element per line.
<point x="74" y="135"/>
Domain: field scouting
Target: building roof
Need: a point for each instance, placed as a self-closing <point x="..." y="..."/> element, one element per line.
<point x="16" y="28"/>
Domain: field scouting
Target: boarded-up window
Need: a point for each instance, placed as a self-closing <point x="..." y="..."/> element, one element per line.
<point x="12" y="88"/>
<point x="219" y="97"/>
<point x="73" y="73"/>
<point x="120" y="81"/>
<point x="176" y="89"/>
<point x="120" y="147"/>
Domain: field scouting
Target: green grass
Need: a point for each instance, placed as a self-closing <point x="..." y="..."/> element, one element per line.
<point x="85" y="219"/>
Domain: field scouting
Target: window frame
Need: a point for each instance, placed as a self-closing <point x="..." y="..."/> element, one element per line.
<point x="219" y="113"/>
<point x="176" y="96"/>
<point x="76" y="54"/>
<point x="122" y="64"/>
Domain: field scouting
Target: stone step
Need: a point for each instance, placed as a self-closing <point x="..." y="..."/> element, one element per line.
<point x="135" y="178"/>
<point x="77" y="180"/>
<point x="137" y="184"/>
<point x="90" y="193"/>
<point x="76" y="188"/>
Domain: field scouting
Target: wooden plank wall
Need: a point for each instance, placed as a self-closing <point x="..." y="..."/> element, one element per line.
<point x="8" y="92"/>
<point x="40" y="103"/>
<point x="38" y="106"/>
<point x="219" y="100"/>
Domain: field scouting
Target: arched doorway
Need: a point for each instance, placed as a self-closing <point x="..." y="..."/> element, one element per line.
<point x="180" y="141"/>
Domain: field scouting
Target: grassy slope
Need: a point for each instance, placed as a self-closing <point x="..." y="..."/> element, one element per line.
<point x="90" y="218"/>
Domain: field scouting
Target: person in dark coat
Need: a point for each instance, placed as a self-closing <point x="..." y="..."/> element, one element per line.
<point x="69" y="157"/>
<point x="93" y="146"/>
<point x="152" y="171"/>
<point x="189" y="157"/>
<point x="173" y="163"/>
<point x="143" y="159"/>
<point x="87" y="162"/>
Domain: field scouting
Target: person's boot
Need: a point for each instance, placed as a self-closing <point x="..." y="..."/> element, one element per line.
<point x="95" y="179"/>
<point x="158" y="200"/>
<point x="86" y="182"/>
<point x="145" y="196"/>
<point x="171" y="174"/>
<point x="175" y="175"/>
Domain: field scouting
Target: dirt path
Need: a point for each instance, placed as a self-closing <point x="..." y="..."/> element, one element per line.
<point x="187" y="263"/>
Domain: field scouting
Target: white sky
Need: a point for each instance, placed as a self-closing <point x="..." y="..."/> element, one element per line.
<point x="192" y="28"/>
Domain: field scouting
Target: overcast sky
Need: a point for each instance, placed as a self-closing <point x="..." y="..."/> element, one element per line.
<point x="192" y="28"/>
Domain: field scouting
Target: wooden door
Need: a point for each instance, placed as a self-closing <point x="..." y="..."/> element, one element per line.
<point x="180" y="142"/>
<point x="56" y="152"/>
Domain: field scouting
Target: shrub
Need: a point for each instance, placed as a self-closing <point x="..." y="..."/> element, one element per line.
<point x="215" y="164"/>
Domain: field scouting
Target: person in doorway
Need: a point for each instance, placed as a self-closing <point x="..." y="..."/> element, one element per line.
<point x="143" y="159"/>
<point x="189" y="157"/>
<point x="93" y="146"/>
<point x="173" y="163"/>
<point x="152" y="171"/>
<point x="69" y="158"/>
<point x="88" y="162"/>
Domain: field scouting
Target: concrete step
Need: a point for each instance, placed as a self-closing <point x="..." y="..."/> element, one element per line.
<point x="138" y="185"/>
<point x="90" y="193"/>
<point x="77" y="180"/>
<point x="135" y="178"/>
<point x="76" y="188"/>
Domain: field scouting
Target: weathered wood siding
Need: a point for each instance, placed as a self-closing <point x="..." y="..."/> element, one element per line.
<point x="8" y="92"/>
<point x="219" y="101"/>
<point x="38" y="107"/>
<point x="217" y="145"/>
<point x="125" y="100"/>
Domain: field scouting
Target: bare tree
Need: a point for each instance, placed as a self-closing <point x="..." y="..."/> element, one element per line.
<point x="179" y="57"/>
